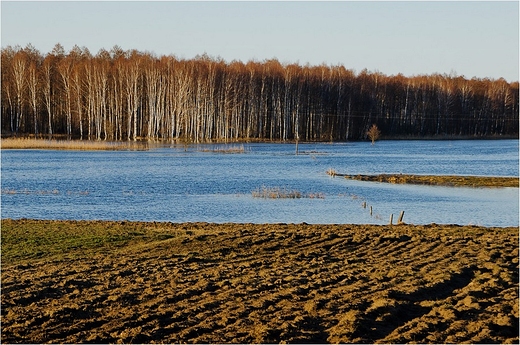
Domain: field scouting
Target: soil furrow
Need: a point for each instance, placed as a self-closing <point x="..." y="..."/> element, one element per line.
<point x="243" y="283"/>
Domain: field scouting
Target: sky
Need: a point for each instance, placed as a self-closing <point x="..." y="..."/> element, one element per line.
<point x="470" y="39"/>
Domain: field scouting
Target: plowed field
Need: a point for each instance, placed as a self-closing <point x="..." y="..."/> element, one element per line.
<point x="110" y="282"/>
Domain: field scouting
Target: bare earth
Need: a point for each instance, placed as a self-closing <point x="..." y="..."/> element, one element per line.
<point x="245" y="283"/>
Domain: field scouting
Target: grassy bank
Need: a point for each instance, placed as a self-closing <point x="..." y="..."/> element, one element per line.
<point x="435" y="180"/>
<point x="33" y="239"/>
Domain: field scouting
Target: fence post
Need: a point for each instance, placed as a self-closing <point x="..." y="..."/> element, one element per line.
<point x="400" y="220"/>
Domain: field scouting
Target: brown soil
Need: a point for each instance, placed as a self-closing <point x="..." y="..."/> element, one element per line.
<point x="245" y="283"/>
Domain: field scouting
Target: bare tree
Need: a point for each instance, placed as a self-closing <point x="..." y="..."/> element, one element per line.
<point x="65" y="70"/>
<point x="374" y="133"/>
<point x="120" y="95"/>
<point x="19" y="70"/>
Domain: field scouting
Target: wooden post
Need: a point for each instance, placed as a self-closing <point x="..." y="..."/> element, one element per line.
<point x="391" y="218"/>
<point x="400" y="220"/>
<point x="364" y="204"/>
<point x="370" y="210"/>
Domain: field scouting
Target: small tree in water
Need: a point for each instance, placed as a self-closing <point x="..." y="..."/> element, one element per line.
<point x="373" y="133"/>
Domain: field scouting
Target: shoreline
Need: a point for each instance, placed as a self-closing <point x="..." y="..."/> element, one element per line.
<point x="102" y="233"/>
<point x="59" y="143"/>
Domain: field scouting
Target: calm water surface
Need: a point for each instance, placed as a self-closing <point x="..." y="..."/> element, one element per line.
<point x="181" y="184"/>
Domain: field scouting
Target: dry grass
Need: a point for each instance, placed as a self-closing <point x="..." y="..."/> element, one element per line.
<point x="74" y="145"/>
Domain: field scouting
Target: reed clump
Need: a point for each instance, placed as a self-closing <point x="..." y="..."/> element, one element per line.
<point x="332" y="172"/>
<point x="276" y="193"/>
<point x="10" y="191"/>
<point x="284" y="193"/>
<point x="73" y="145"/>
<point x="226" y="149"/>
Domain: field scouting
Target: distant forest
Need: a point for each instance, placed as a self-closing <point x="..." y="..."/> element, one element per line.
<point x="132" y="95"/>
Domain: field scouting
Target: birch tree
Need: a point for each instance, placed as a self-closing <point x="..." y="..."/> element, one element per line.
<point x="19" y="70"/>
<point x="126" y="95"/>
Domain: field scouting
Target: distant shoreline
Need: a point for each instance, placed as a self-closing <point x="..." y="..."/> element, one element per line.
<point x="58" y="143"/>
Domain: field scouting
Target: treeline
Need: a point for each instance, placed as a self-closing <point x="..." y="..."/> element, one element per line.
<point x="132" y="95"/>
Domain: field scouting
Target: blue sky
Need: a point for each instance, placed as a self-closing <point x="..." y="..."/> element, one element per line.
<point x="474" y="39"/>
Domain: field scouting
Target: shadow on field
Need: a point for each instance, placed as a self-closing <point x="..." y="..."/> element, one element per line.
<point x="382" y="321"/>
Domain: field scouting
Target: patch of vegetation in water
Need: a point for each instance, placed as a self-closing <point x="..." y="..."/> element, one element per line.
<point x="435" y="180"/>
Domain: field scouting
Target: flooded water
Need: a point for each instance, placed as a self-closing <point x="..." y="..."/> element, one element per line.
<point x="198" y="183"/>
